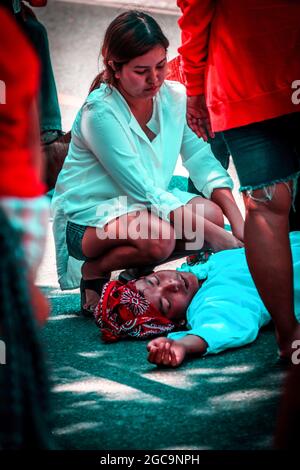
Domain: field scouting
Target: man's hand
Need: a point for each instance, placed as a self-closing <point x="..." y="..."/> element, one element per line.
<point x="198" y="118"/>
<point x="166" y="352"/>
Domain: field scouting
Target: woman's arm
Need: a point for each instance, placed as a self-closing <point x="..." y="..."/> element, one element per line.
<point x="169" y="352"/>
<point x="204" y="169"/>
<point x="210" y="178"/>
<point x="224" y="198"/>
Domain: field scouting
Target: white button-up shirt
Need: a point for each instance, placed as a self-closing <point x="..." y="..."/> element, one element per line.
<point x="110" y="157"/>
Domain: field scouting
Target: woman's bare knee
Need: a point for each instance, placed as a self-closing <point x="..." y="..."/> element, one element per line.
<point x="211" y="211"/>
<point x="159" y="250"/>
<point x="214" y="214"/>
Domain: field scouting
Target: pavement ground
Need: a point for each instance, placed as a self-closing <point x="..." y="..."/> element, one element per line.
<point x="109" y="396"/>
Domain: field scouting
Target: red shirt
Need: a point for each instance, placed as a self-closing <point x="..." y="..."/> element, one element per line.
<point x="19" y="81"/>
<point x="243" y="55"/>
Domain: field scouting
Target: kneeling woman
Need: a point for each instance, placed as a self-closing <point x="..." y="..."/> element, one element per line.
<point x="126" y="140"/>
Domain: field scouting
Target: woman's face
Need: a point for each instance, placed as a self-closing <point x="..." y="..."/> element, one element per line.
<point x="169" y="291"/>
<point x="143" y="76"/>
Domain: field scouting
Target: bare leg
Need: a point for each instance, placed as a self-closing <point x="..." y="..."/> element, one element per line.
<point x="121" y="248"/>
<point x="187" y="221"/>
<point x="269" y="258"/>
<point x="287" y="433"/>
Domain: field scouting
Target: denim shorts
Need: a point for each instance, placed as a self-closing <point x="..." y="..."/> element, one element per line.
<point x="74" y="236"/>
<point x="266" y="152"/>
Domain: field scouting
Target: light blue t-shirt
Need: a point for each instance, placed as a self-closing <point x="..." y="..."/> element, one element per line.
<point x="227" y="311"/>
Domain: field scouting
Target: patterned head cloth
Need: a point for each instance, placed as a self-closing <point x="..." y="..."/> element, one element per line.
<point x="123" y="312"/>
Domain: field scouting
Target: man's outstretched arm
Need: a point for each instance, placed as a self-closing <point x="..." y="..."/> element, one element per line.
<point x="172" y="353"/>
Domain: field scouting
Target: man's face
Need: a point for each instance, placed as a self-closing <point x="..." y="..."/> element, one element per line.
<point x="169" y="291"/>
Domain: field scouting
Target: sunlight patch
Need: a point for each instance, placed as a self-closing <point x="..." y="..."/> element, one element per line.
<point x="63" y="317"/>
<point x="203" y="371"/>
<point x="93" y="354"/>
<point x="201" y="411"/>
<point x="243" y="397"/>
<point x="220" y="379"/>
<point x="186" y="448"/>
<point x="57" y="293"/>
<point x="170" y="378"/>
<point x="84" y="403"/>
<point x="108" y="389"/>
<point x="237" y="369"/>
<point x="76" y="428"/>
<point x="225" y="370"/>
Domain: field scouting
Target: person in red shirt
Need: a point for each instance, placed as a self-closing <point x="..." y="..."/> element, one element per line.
<point x="242" y="63"/>
<point x="25" y="413"/>
<point x="22" y="197"/>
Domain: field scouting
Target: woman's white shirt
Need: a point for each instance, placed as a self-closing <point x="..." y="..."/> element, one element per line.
<point x="112" y="165"/>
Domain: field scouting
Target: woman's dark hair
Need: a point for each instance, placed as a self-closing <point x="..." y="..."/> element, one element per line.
<point x="130" y="35"/>
<point x="24" y="388"/>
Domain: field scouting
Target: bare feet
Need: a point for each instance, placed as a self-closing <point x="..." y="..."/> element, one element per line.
<point x="92" y="299"/>
<point x="91" y="286"/>
<point x="90" y="292"/>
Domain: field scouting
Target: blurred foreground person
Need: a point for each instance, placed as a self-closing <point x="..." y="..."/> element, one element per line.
<point x="23" y="220"/>
<point x="24" y="388"/>
<point x="21" y="189"/>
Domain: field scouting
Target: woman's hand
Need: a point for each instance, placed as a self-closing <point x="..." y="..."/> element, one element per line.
<point x="166" y="352"/>
<point x="223" y="197"/>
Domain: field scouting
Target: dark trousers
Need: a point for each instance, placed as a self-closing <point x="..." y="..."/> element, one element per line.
<point x="50" y="116"/>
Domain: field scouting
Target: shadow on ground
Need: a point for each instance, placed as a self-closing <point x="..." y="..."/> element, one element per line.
<point x="110" y="397"/>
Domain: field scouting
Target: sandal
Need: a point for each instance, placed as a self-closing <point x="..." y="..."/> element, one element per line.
<point x="92" y="284"/>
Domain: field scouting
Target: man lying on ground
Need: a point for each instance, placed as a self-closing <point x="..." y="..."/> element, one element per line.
<point x="217" y="302"/>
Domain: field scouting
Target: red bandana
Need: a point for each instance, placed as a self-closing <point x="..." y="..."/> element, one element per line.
<point x="123" y="312"/>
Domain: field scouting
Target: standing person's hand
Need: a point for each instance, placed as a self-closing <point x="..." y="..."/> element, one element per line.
<point x="198" y="117"/>
<point x="166" y="352"/>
